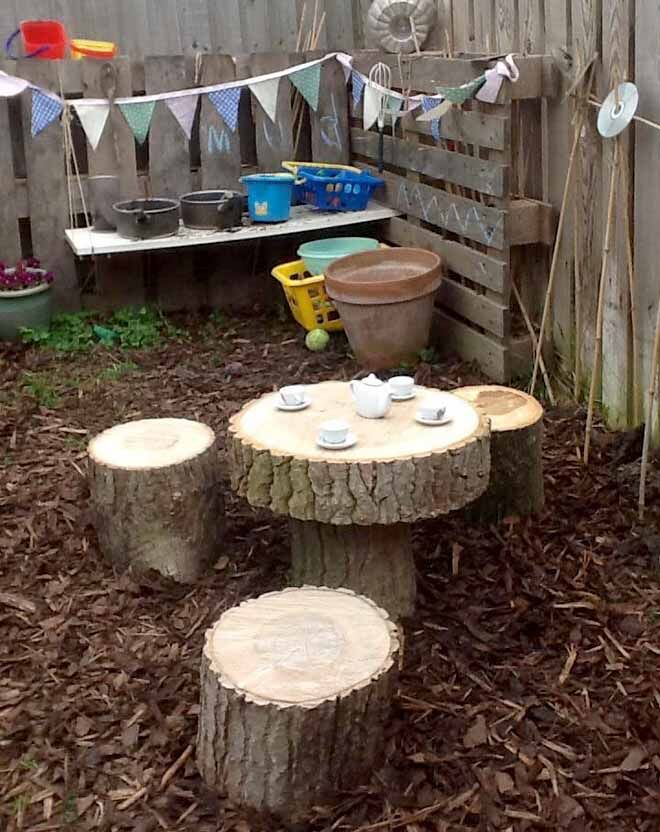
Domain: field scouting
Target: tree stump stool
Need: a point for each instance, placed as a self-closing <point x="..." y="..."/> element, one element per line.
<point x="350" y="511"/>
<point x="516" y="472"/>
<point x="296" y="687"/>
<point x="156" y="496"/>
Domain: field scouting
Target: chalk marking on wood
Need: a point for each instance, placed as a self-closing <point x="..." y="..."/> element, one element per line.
<point x="333" y="125"/>
<point x="218" y="143"/>
<point x="407" y="200"/>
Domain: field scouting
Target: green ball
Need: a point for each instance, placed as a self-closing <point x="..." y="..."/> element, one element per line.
<point x="317" y="340"/>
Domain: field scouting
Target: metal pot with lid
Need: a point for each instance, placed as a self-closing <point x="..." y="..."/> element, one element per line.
<point x="213" y="210"/>
<point x="147" y="219"/>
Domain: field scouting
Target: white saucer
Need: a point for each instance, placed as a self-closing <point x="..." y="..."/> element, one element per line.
<point x="404" y="398"/>
<point x="350" y="440"/>
<point x="292" y="408"/>
<point x="433" y="423"/>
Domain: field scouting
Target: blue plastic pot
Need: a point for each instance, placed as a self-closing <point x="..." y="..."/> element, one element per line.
<point x="269" y="196"/>
<point x="319" y="254"/>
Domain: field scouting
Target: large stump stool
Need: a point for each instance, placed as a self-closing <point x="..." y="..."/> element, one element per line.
<point x="516" y="472"/>
<point x="156" y="496"/>
<point x="296" y="687"/>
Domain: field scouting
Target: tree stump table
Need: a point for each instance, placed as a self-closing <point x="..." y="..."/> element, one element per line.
<point x="516" y="445"/>
<point x="156" y="496"/>
<point x="296" y="688"/>
<point x="350" y="511"/>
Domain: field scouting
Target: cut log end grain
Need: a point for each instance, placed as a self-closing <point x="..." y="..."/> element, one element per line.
<point x="516" y="478"/>
<point x="295" y="690"/>
<point x="156" y="496"/>
<point x="398" y="471"/>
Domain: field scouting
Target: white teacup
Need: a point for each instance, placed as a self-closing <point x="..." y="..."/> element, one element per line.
<point x="432" y="410"/>
<point x="334" y="432"/>
<point x="293" y="395"/>
<point x="402" y="386"/>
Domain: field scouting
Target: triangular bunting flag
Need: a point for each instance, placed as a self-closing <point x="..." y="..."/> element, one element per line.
<point x="45" y="109"/>
<point x="183" y="109"/>
<point x="394" y="105"/>
<point x="372" y="103"/>
<point x="138" y="115"/>
<point x="358" y="86"/>
<point x="10" y="85"/>
<point x="459" y="95"/>
<point x="227" y="102"/>
<point x="93" y="118"/>
<point x="266" y="95"/>
<point x="428" y="104"/>
<point x="308" y="82"/>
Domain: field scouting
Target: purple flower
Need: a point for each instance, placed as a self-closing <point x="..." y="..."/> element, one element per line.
<point x="26" y="274"/>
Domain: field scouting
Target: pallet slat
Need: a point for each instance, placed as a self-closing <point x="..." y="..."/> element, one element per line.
<point x="489" y="178"/>
<point x="220" y="149"/>
<point x="452" y="336"/>
<point x="479" y="309"/>
<point x="453" y="213"/>
<point x="329" y="125"/>
<point x="274" y="141"/>
<point x="10" y="241"/>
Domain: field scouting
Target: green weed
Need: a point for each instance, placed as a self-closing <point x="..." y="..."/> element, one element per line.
<point x="41" y="388"/>
<point x="117" y="371"/>
<point x="28" y="764"/>
<point x="20" y="804"/>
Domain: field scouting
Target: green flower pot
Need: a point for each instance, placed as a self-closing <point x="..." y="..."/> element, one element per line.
<point x="31" y="307"/>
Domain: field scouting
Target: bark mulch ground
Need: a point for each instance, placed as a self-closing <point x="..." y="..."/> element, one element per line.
<point x="530" y="695"/>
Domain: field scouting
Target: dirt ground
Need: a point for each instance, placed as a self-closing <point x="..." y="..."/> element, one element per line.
<point x="530" y="696"/>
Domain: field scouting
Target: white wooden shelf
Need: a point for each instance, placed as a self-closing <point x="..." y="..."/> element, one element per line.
<point x="86" y="243"/>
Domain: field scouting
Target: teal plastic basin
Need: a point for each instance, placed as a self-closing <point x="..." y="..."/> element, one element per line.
<point x="319" y="254"/>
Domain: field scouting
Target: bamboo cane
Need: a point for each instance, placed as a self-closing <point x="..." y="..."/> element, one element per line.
<point x="577" y="268"/>
<point x="530" y="329"/>
<point x="633" y="305"/>
<point x="650" y="408"/>
<point x="598" y="344"/>
<point x="579" y="123"/>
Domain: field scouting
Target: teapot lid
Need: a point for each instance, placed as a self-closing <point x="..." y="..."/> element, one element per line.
<point x="373" y="381"/>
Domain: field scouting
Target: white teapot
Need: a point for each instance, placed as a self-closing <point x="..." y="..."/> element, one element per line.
<point x="372" y="397"/>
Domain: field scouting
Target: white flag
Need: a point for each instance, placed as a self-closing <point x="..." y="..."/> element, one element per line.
<point x="266" y="94"/>
<point x="373" y="101"/>
<point x="93" y="118"/>
<point x="183" y="109"/>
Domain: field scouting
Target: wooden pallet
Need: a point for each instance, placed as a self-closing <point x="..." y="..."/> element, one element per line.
<point x="457" y="197"/>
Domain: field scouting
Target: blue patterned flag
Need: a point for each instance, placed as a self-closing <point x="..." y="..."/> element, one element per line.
<point x="358" y="87"/>
<point x="45" y="109"/>
<point x="308" y="83"/>
<point x="226" y="102"/>
<point x="138" y="114"/>
<point x="429" y="103"/>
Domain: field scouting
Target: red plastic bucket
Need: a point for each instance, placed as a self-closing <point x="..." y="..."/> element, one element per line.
<point x="44" y="39"/>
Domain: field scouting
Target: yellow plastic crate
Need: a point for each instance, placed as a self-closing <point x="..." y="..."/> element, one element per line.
<point x="308" y="301"/>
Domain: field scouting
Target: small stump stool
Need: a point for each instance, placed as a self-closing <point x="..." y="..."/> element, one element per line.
<point x="296" y="689"/>
<point x="156" y="496"/>
<point x="516" y="473"/>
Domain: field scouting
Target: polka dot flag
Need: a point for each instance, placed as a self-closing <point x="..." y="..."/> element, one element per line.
<point x="226" y="102"/>
<point x="138" y="115"/>
<point x="428" y="104"/>
<point x="358" y="87"/>
<point x="308" y="82"/>
<point x="45" y="109"/>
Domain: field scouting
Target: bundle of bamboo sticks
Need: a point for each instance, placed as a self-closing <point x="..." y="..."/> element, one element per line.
<point x="307" y="42"/>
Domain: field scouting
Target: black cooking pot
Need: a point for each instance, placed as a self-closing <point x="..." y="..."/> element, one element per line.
<point x="215" y="210"/>
<point x="146" y="219"/>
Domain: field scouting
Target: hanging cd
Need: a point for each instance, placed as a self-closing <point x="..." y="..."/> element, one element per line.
<point x="614" y="117"/>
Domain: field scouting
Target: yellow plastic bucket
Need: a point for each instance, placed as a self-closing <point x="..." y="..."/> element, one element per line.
<point x="98" y="49"/>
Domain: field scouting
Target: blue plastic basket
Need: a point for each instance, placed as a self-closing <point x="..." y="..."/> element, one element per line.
<point x="335" y="190"/>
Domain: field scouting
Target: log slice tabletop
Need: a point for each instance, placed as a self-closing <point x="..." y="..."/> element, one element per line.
<point x="398" y="471"/>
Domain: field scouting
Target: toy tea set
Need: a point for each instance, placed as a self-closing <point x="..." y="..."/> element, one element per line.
<point x="373" y="399"/>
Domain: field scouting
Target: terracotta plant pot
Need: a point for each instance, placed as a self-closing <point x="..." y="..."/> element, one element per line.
<point x="385" y="300"/>
<point x="31" y="308"/>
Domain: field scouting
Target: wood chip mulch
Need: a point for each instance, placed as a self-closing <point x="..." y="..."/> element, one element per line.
<point x="530" y="694"/>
